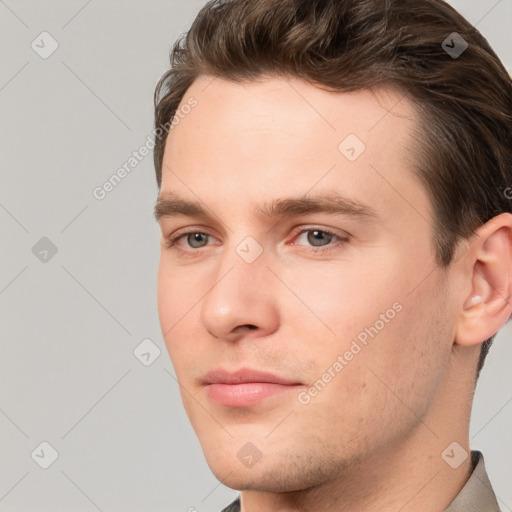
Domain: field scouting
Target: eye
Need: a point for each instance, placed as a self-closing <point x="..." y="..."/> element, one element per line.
<point x="320" y="240"/>
<point x="317" y="237"/>
<point x="196" y="240"/>
<point x="193" y="239"/>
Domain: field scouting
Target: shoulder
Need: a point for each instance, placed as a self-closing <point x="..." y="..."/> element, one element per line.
<point x="233" y="507"/>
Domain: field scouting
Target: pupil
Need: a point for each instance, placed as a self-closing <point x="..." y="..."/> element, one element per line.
<point x="318" y="236"/>
<point x="194" y="238"/>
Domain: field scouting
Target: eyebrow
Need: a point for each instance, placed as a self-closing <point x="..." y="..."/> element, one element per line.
<point x="169" y="204"/>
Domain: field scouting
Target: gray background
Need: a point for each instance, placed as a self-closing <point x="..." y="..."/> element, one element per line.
<point x="70" y="324"/>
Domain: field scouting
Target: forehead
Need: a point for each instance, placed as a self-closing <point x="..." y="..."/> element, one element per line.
<point x="274" y="101"/>
<point x="248" y="141"/>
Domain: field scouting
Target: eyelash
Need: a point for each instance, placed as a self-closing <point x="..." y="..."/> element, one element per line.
<point x="171" y="241"/>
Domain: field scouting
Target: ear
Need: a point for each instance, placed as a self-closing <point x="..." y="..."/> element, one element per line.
<point x="488" y="306"/>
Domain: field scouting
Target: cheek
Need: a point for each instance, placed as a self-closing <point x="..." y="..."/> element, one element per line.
<point x="370" y="400"/>
<point x="374" y="321"/>
<point x="345" y="299"/>
<point x="177" y="294"/>
<point x="176" y="313"/>
<point x="409" y="356"/>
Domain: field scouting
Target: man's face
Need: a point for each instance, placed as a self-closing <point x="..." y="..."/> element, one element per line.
<point x="347" y="306"/>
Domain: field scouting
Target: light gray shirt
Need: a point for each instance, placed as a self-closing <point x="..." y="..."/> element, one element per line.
<point x="477" y="495"/>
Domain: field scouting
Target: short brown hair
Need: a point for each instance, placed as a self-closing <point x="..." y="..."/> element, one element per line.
<point x="464" y="150"/>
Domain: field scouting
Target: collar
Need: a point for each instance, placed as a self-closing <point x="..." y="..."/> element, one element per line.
<point x="477" y="494"/>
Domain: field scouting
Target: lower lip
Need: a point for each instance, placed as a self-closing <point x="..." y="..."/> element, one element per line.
<point x="247" y="393"/>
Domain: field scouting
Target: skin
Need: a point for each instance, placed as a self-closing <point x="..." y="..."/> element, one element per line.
<point x="372" y="439"/>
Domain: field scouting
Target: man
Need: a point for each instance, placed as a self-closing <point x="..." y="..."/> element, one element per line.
<point x="336" y="248"/>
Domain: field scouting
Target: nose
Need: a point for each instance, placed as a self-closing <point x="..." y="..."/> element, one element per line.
<point x="242" y="300"/>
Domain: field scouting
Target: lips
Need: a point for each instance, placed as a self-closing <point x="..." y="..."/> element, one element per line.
<point x="221" y="376"/>
<point x="245" y="387"/>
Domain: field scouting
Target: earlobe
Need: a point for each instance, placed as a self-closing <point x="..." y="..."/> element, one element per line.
<point x="489" y="303"/>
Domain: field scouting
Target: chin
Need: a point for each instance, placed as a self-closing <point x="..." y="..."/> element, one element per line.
<point x="226" y="462"/>
<point x="243" y="479"/>
<point x="274" y="473"/>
